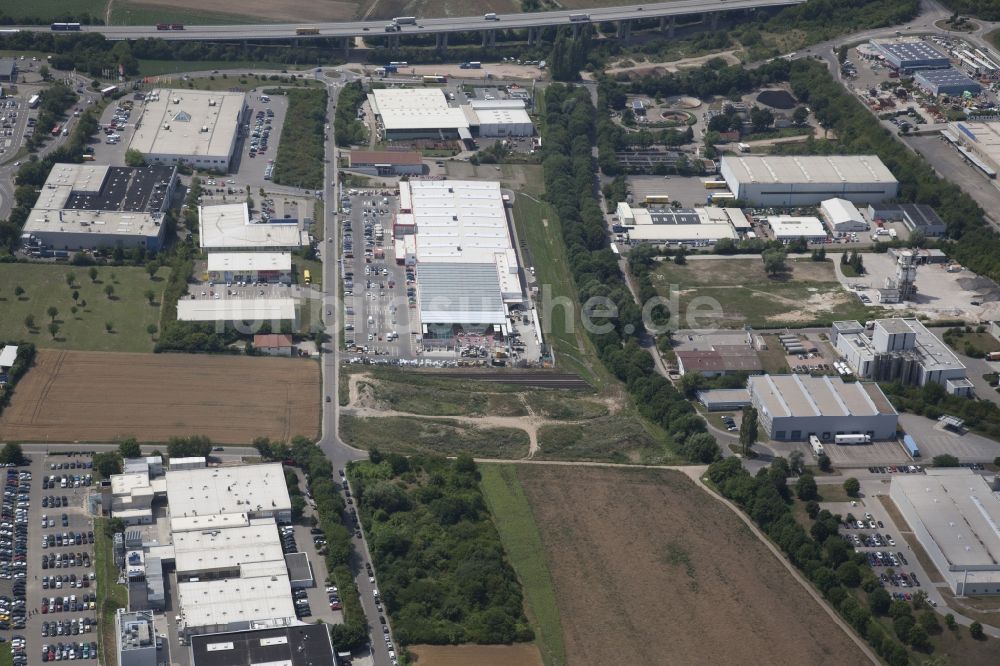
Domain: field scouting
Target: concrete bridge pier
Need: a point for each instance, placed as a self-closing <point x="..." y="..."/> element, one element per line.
<point x="532" y="36"/>
<point x="576" y="29"/>
<point x="490" y="38"/>
<point x="346" y="42"/>
<point x="442" y="41"/>
<point x="393" y="42"/>
<point x="714" y="20"/>
<point x="624" y="29"/>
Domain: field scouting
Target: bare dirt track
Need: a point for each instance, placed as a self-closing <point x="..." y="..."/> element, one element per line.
<point x="519" y="654"/>
<point x="646" y="565"/>
<point x="96" y="397"/>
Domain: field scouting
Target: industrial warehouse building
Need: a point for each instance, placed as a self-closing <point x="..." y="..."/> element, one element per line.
<point x="900" y="350"/>
<point x="842" y="216"/>
<point x="719" y="360"/>
<point x="302" y="645"/>
<point x="469" y="272"/>
<point x="979" y="141"/>
<point x="8" y="70"/>
<point x="782" y="181"/>
<point x="228" y="227"/>
<point x="195" y="127"/>
<point x="250" y="267"/>
<point x="666" y="224"/>
<point x="417" y="113"/>
<point x="136" y="638"/>
<point x="916" y="217"/>
<point x="910" y="54"/>
<point x="793" y="407"/>
<point x="498" y="118"/>
<point x="86" y="206"/>
<point x="240" y="311"/>
<point x="787" y="228"/>
<point x="424" y="113"/>
<point x="954" y="514"/>
<point x="949" y="81"/>
<point x="256" y="490"/>
<point x="387" y="162"/>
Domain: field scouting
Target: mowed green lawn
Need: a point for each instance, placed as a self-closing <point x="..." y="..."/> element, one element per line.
<point x="45" y="286"/>
<point x="808" y="294"/>
<point x="49" y="10"/>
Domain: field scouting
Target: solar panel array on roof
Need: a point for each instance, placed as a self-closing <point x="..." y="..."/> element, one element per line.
<point x="130" y="189"/>
<point x="674" y="216"/>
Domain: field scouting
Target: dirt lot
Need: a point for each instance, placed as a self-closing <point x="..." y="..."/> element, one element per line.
<point x="480" y="655"/>
<point x="95" y="396"/>
<point x="695" y="583"/>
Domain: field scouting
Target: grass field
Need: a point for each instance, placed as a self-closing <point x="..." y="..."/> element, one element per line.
<point x="45" y="286"/>
<point x="49" y="10"/>
<point x="98" y="397"/>
<point x="523" y="545"/>
<point x="644" y="564"/>
<point x="110" y="595"/>
<point x="409" y="436"/>
<point x="158" y="67"/>
<point x="808" y="295"/>
<point x="616" y="438"/>
<point x="6" y="656"/>
<point x="978" y="343"/>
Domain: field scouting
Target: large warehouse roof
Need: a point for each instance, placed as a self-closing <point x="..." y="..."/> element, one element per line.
<point x="207" y="550"/>
<point x="458" y="221"/>
<point x="460" y="293"/>
<point x="228" y="226"/>
<point x="803" y="170"/>
<point x="416" y="108"/>
<point x="188" y="122"/>
<point x="221" y="603"/>
<point x="804" y="395"/>
<point x="303" y="645"/>
<point x="249" y="261"/>
<point x="214" y="490"/>
<point x="233" y="309"/>
<point x="959" y="511"/>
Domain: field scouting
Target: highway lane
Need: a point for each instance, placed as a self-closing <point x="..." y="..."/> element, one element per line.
<point x="432" y="25"/>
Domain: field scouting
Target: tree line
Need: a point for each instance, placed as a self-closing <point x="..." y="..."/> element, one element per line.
<point x="568" y="131"/>
<point x="347" y="129"/>
<point x="443" y="574"/>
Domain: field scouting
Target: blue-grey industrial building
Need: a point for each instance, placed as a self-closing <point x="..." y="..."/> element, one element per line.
<point x="910" y="54"/>
<point x="946" y="82"/>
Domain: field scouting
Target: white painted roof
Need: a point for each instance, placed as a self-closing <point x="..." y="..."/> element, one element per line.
<point x="188" y="122"/>
<point x="209" y="603"/>
<point x="8" y="355"/>
<point x="233" y="309"/>
<point x="227" y="226"/>
<point x="216" y="490"/>
<point x="787" y="227"/>
<point x="416" y="108"/>
<point x="809" y="169"/>
<point x="249" y="261"/>
<point x="226" y="548"/>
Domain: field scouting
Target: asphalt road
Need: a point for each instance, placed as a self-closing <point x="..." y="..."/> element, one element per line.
<point x="431" y="25"/>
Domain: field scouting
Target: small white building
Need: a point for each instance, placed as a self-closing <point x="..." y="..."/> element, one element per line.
<point x="8" y="355"/>
<point x="842" y="216"/>
<point x="787" y="228"/>
<point x="250" y="267"/>
<point x="499" y="118"/>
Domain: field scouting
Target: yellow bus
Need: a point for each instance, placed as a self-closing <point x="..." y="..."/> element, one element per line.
<point x="657" y="199"/>
<point x="306" y="277"/>
<point x="715" y="185"/>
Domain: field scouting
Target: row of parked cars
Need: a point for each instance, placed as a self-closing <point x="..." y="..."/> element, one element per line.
<point x="64" y="651"/>
<point x="68" y="604"/>
<point x="896" y="469"/>
<point x="59" y="581"/>
<point x="74" y="627"/>
<point x="14" y="547"/>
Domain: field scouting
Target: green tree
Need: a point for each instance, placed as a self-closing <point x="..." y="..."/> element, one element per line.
<point x="70" y="279"/>
<point x="950" y="622"/>
<point x="109" y="291"/>
<point x="879" y="600"/>
<point x="945" y="460"/>
<point x="129" y="448"/>
<point x="52" y="312"/>
<point x="12" y="454"/>
<point x="852" y="486"/>
<point x="92" y="272"/>
<point x="53" y="329"/>
<point x="134" y="158"/>
<point x="806" y="488"/>
<point x="44" y="72"/>
<point x="151" y="269"/>
<point x="976" y="631"/>
<point x="823" y="462"/>
<point x="19" y="291"/>
<point x="774" y="261"/>
<point x="150" y="296"/>
<point x="109" y="326"/>
<point x="29" y="322"/>
<point x="151" y="329"/>
<point x="76" y="295"/>
<point x="800" y="115"/>
<point x="849" y="574"/>
<point x="108" y="463"/>
<point x="796" y="462"/>
<point x="680" y="258"/>
<point x="748" y="430"/>
<point x="761" y="119"/>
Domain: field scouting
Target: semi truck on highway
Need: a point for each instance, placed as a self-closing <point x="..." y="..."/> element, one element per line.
<point x="475" y="64"/>
<point x="405" y="20"/>
<point x="65" y="26"/>
<point x="169" y="26"/>
<point x="307" y="31"/>
<point x="579" y="17"/>
<point x="491" y="17"/>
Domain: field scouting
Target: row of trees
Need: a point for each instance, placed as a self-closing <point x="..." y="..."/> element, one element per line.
<point x="300" y="153"/>
<point x="826" y="559"/>
<point x="347" y="129"/>
<point x="442" y="570"/>
<point x="569" y="130"/>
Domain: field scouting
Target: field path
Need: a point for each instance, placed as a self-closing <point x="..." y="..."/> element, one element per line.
<point x="364" y="406"/>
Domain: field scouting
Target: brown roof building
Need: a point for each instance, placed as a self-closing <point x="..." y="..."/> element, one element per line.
<point x="273" y="343"/>
<point x="387" y="162"/>
<point x="720" y="360"/>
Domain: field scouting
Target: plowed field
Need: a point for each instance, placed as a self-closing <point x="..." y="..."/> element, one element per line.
<point x="97" y="396"/>
<point x="648" y="569"/>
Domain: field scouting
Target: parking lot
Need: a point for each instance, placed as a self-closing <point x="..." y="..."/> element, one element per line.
<point x="253" y="154"/>
<point x="378" y="293"/>
<point x="14" y="119"/>
<point x="47" y="581"/>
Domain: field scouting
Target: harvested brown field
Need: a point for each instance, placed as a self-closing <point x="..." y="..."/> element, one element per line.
<point x="99" y="396"/>
<point x="480" y="655"/>
<point x="278" y="10"/>
<point x="648" y="569"/>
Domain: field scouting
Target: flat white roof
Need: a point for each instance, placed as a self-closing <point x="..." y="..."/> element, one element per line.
<point x="232" y="309"/>
<point x="785" y="226"/>
<point x="211" y="603"/>
<point x="249" y="261"/>
<point x="8" y="355"/>
<point x="808" y="169"/>
<point x="984" y="135"/>
<point x="228" y="226"/>
<point x="806" y="396"/>
<point x="960" y="513"/>
<point x="218" y="490"/>
<point x="124" y="484"/>
<point x="416" y="108"/>
<point x="188" y="122"/>
<point x="458" y="221"/>
<point x="215" y="521"/>
<point x="226" y="548"/>
<point x="503" y="117"/>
